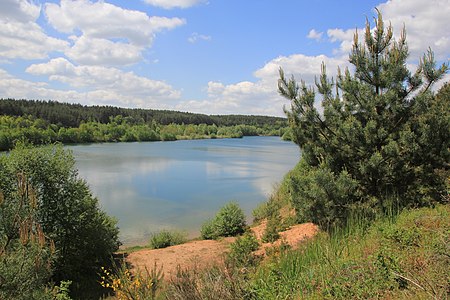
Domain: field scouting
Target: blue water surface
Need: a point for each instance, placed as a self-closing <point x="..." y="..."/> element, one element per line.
<point x="178" y="185"/>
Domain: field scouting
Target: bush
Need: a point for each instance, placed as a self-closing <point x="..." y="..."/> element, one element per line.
<point x="272" y="227"/>
<point x="26" y="255"/>
<point x="229" y="221"/>
<point x="166" y="238"/>
<point x="84" y="236"/>
<point x="208" y="231"/>
<point x="266" y="210"/>
<point x="241" y="254"/>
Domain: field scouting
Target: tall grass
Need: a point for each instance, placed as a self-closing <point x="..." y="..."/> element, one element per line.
<point x="403" y="256"/>
<point x="167" y="238"/>
<point x="399" y="257"/>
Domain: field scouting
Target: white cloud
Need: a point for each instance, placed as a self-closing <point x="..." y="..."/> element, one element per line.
<point x="13" y="87"/>
<point x="426" y="24"/>
<point x="314" y="35"/>
<point x="106" y="82"/>
<point x="20" y="36"/>
<point x="300" y="66"/>
<point x="107" y="21"/>
<point x="195" y="37"/>
<point x="90" y="85"/>
<point x="169" y="4"/>
<point x="113" y="35"/>
<point x="345" y="38"/>
<point x="19" y="11"/>
<point x="92" y="51"/>
<point x="261" y="97"/>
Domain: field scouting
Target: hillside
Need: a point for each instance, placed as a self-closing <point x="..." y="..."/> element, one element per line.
<point x="401" y="256"/>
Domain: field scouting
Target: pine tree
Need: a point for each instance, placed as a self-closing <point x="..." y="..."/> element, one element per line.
<point x="380" y="142"/>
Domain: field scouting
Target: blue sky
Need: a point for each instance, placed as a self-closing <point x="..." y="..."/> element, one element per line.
<point x="214" y="57"/>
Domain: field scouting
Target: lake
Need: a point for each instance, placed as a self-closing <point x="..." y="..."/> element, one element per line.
<point x="152" y="186"/>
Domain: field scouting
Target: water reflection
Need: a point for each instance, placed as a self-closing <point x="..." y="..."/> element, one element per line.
<point x="154" y="186"/>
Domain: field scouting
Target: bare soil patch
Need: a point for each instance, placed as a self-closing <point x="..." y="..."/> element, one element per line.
<point x="195" y="253"/>
<point x="204" y="253"/>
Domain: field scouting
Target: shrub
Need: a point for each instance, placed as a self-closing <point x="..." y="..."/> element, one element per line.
<point x="26" y="255"/>
<point x="229" y="221"/>
<point x="272" y="227"/>
<point x="208" y="231"/>
<point x="266" y="209"/>
<point x="84" y="236"/>
<point x="166" y="238"/>
<point x="241" y="254"/>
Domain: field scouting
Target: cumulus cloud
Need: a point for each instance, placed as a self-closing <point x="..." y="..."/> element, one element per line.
<point x="301" y="66"/>
<point x="426" y="24"/>
<point x="20" y="36"/>
<point x="19" y="11"/>
<point x="344" y="38"/>
<point x="314" y="35"/>
<point x="261" y="97"/>
<point x="114" y="36"/>
<point x="13" y="87"/>
<point x="195" y="37"/>
<point x="105" y="37"/>
<point x="108" y="85"/>
<point x="169" y="4"/>
<point x="107" y="21"/>
<point x="93" y="51"/>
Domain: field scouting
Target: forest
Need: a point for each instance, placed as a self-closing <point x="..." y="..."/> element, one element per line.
<point x="43" y="122"/>
<point x="72" y="115"/>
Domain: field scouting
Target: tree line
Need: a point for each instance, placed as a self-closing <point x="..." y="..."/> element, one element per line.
<point x="119" y="129"/>
<point x="72" y="115"/>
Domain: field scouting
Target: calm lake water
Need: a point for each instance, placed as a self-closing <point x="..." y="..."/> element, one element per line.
<point x="178" y="185"/>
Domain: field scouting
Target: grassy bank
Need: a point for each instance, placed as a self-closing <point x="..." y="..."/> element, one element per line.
<point x="404" y="256"/>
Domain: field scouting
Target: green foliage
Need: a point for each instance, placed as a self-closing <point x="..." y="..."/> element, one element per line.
<point x="166" y="238"/>
<point x="26" y="255"/>
<point x="43" y="122"/>
<point x="208" y="230"/>
<point x="241" y="251"/>
<point x="73" y="115"/>
<point x="383" y="134"/>
<point x="402" y="257"/>
<point x="62" y="291"/>
<point x="118" y="129"/>
<point x="273" y="226"/>
<point x="84" y="236"/>
<point x="279" y="202"/>
<point x="229" y="221"/>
